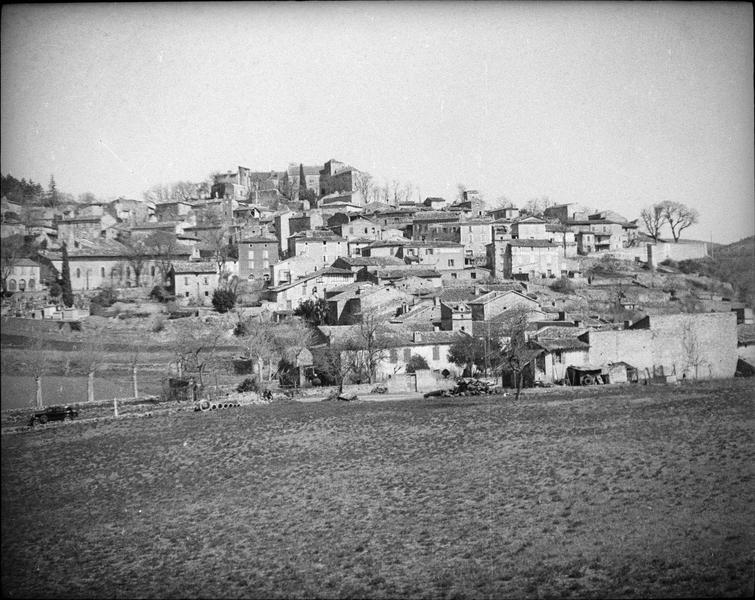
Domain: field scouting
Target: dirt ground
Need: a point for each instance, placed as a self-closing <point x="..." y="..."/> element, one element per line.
<point x="634" y="491"/>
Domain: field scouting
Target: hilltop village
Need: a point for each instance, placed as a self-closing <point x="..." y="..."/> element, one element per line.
<point x="406" y="284"/>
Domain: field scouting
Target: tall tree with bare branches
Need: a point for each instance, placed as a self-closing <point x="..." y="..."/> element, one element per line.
<point x="653" y="219"/>
<point x="679" y="217"/>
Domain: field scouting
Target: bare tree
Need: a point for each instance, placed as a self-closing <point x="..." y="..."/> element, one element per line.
<point x="90" y="356"/>
<point x="653" y="219"/>
<point x="515" y="353"/>
<point x="693" y="349"/>
<point x="536" y="206"/>
<point x="11" y="251"/>
<point x="678" y="216"/>
<point x="138" y="255"/>
<point x="184" y="191"/>
<point x="502" y="202"/>
<point x="163" y="246"/>
<point x="38" y="366"/>
<point x="364" y="185"/>
<point x="195" y="348"/>
<point x="134" y="354"/>
<point x="371" y="342"/>
<point x="336" y="361"/>
<point x="259" y="342"/>
<point x="158" y="194"/>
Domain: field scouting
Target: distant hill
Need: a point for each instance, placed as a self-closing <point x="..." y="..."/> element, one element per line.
<point x="732" y="263"/>
<point x="744" y="248"/>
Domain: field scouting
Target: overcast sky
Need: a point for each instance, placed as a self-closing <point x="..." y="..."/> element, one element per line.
<point x="612" y="105"/>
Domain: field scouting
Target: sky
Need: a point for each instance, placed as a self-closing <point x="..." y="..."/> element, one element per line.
<point x="611" y="105"/>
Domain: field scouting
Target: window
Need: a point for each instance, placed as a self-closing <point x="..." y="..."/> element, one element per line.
<point x="206" y="281"/>
<point x="187" y="294"/>
<point x="102" y="272"/>
<point x="250" y="255"/>
<point x="152" y="271"/>
<point x="473" y="275"/>
<point x="32" y="283"/>
<point x="78" y="273"/>
<point x="12" y="285"/>
<point x="186" y="281"/>
<point x="436" y="353"/>
<point x="22" y="284"/>
<point x="450" y="262"/>
<point x="453" y="275"/>
<point x="393" y="355"/>
<point x="430" y="251"/>
<point x="128" y="272"/>
<point x="407" y="354"/>
<point x="206" y="293"/>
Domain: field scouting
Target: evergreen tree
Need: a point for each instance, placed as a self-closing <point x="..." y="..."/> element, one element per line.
<point x="66" y="276"/>
<point x="302" y="181"/>
<point x="52" y="196"/>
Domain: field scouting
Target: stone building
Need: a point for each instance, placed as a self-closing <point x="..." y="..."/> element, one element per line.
<point x="256" y="255"/>
<point x="684" y="346"/>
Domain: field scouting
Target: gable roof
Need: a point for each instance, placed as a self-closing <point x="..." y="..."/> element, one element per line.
<point x="496" y="295"/>
<point x="308" y="276"/>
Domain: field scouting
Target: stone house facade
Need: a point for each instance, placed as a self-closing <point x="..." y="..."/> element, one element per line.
<point x="256" y="255"/>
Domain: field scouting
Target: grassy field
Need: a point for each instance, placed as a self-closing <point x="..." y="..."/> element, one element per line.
<point x="632" y="491"/>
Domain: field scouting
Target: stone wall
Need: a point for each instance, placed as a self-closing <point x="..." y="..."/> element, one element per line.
<point x="657" y="253"/>
<point x="689" y="345"/>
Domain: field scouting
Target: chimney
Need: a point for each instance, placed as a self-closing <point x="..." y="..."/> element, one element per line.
<point x="436" y="301"/>
<point x="577" y="323"/>
<point x="404" y="308"/>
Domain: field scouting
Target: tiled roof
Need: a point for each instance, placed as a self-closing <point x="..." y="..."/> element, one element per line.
<point x="494" y="295"/>
<point x="553" y="332"/>
<point x="195" y="267"/>
<point x="409" y="272"/>
<point x="388" y="243"/>
<point x="259" y="240"/>
<point x="308" y="276"/>
<point x="371" y="261"/>
<point x="745" y="333"/>
<point x="562" y="344"/>
<point x="532" y="244"/>
<point x="457" y="294"/>
<point x="432" y="215"/>
<point x="432" y="244"/>
<point x="390" y="335"/>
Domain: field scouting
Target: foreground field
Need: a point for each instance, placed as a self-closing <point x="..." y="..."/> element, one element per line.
<point x="630" y="492"/>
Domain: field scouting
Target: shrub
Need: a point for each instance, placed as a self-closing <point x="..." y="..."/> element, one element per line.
<point x="562" y="285"/>
<point x="105" y="298"/>
<point x="416" y="362"/>
<point x="223" y="300"/>
<point x="249" y="385"/>
<point x="55" y="289"/>
<point x="241" y="328"/>
<point x="158" y="324"/>
<point x="160" y="294"/>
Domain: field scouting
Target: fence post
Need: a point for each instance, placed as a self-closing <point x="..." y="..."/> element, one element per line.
<point x="38" y="381"/>
<point x="136" y="388"/>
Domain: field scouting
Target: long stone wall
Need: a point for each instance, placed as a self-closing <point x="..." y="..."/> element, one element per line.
<point x="691" y="345"/>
